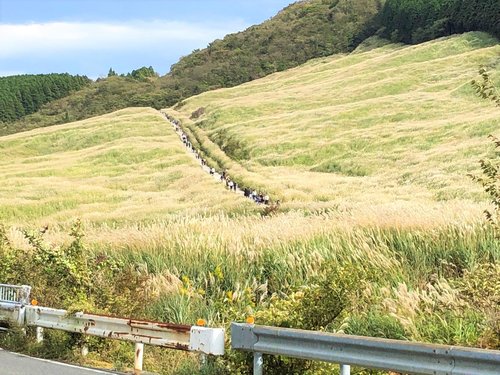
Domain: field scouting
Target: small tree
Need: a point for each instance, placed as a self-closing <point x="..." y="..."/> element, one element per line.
<point x="490" y="180"/>
<point x="485" y="88"/>
<point x="112" y="73"/>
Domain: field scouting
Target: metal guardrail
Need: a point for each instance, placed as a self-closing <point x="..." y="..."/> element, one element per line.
<point x="366" y="352"/>
<point x="174" y="336"/>
<point x="11" y="313"/>
<point x="19" y="294"/>
<point x="168" y="335"/>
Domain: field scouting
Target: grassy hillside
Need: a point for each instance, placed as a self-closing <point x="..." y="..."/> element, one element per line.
<point x="301" y="31"/>
<point x="124" y="166"/>
<point x="393" y="124"/>
<point x="304" y="30"/>
<point x="380" y="234"/>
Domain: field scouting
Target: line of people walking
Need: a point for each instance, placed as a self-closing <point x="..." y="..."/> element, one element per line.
<point x="257" y="197"/>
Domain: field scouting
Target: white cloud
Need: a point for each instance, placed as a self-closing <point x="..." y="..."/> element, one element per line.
<point x="5" y="73"/>
<point x="32" y="40"/>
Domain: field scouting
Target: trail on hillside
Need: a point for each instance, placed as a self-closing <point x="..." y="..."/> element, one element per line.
<point x="222" y="176"/>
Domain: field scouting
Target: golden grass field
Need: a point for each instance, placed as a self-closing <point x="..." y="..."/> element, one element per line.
<point x="369" y="154"/>
<point x="393" y="126"/>
<point x="381" y="137"/>
<point x="128" y="166"/>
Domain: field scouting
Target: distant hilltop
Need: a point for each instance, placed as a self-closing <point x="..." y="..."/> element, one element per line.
<point x="300" y="32"/>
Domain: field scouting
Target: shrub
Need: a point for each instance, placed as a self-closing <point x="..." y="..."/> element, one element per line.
<point x="485" y="88"/>
<point x="491" y="183"/>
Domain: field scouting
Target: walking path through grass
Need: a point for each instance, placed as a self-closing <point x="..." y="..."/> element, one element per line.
<point x="222" y="177"/>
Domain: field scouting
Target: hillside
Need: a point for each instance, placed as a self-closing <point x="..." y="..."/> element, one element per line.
<point x="25" y="94"/>
<point x="380" y="232"/>
<point x="102" y="96"/>
<point x="302" y="31"/>
<point x="393" y="124"/>
<point x="125" y="166"/>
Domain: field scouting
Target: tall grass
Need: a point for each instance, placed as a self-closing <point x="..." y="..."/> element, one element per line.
<point x="219" y="260"/>
<point x="395" y="122"/>
<point x="369" y="152"/>
<point x="124" y="167"/>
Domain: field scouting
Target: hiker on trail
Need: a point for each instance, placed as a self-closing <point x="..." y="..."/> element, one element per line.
<point x="257" y="197"/>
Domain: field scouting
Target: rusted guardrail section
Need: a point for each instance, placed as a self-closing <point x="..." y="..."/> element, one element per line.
<point x="173" y="336"/>
<point x="199" y="339"/>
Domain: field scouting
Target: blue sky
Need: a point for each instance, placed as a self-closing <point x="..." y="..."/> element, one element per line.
<point x="90" y="36"/>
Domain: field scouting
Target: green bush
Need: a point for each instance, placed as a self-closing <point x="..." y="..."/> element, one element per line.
<point x="490" y="180"/>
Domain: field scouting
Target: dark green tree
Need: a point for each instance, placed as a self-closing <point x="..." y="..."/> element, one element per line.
<point x="25" y="94"/>
<point x="415" y="21"/>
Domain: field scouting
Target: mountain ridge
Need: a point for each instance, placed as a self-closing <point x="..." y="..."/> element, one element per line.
<point x="302" y="31"/>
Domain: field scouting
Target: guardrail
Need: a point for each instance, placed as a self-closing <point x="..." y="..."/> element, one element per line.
<point x="366" y="352"/>
<point x="346" y="350"/>
<point x="173" y="336"/>
<point x="19" y="294"/>
<point x="11" y="313"/>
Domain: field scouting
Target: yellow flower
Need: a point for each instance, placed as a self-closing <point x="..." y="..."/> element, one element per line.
<point x="218" y="273"/>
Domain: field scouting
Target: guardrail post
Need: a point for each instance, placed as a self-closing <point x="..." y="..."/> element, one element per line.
<point x="139" y="355"/>
<point x="39" y="334"/>
<point x="345" y="370"/>
<point x="258" y="364"/>
<point x="25" y="294"/>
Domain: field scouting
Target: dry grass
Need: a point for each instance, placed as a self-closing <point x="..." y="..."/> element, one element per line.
<point x="124" y="167"/>
<point x="391" y="124"/>
<point x="369" y="152"/>
<point x="380" y="138"/>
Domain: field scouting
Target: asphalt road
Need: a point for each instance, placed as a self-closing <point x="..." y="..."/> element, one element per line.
<point x="17" y="364"/>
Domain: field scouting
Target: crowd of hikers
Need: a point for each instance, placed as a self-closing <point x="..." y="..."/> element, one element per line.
<point x="257" y="197"/>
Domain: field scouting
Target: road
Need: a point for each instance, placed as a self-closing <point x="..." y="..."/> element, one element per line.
<point x="17" y="364"/>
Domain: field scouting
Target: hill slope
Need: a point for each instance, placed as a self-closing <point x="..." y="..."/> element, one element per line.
<point x="304" y="30"/>
<point x="125" y="166"/>
<point x="102" y="96"/>
<point x="364" y="148"/>
<point x="394" y="123"/>
<point x="24" y="94"/>
<point x="301" y="31"/>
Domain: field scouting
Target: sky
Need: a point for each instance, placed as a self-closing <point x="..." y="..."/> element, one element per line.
<point x="88" y="37"/>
